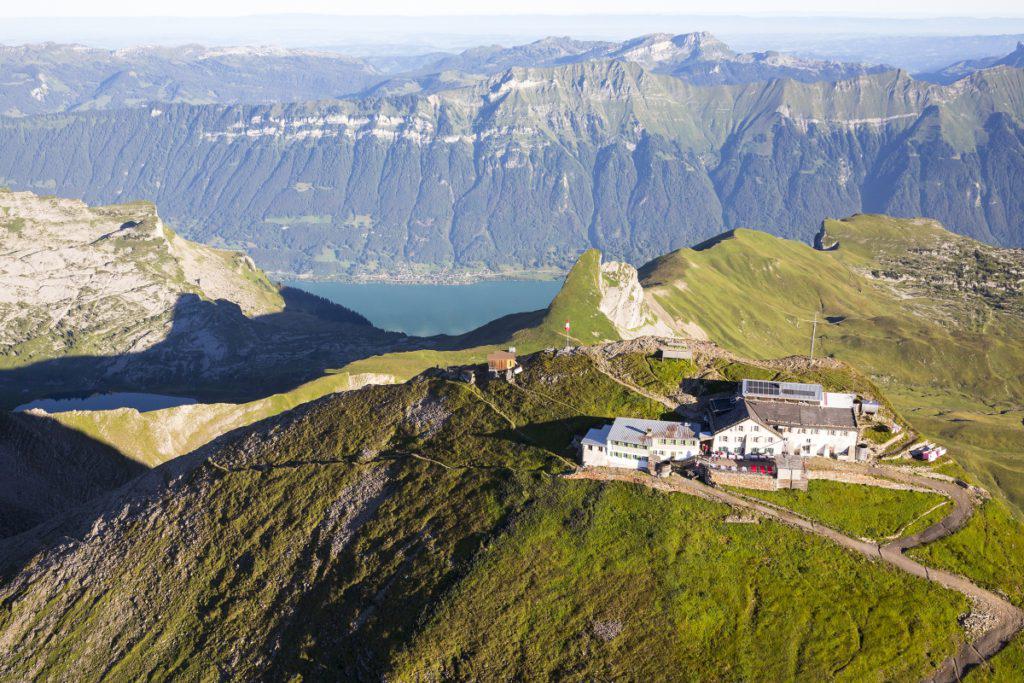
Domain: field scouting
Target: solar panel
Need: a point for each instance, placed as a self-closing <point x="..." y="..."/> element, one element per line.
<point x="785" y="390"/>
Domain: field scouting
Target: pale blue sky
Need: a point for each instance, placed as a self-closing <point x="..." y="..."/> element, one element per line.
<point x="207" y="8"/>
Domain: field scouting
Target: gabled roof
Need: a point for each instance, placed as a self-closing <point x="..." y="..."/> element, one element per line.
<point x="597" y="436"/>
<point x="803" y="415"/>
<point x="501" y="355"/>
<point x="739" y="412"/>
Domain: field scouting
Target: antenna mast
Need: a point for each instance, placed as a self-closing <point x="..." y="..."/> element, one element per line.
<point x="814" y="333"/>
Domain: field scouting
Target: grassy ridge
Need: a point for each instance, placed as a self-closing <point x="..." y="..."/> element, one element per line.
<point x="419" y="528"/>
<point x="922" y="311"/>
<point x="157" y="436"/>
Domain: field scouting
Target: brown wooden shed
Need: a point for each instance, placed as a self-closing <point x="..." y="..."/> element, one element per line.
<point x="501" y="361"/>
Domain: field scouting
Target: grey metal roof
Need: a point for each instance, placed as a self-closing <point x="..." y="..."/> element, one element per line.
<point x="597" y="436"/>
<point x="802" y="414"/>
<point x="635" y="430"/>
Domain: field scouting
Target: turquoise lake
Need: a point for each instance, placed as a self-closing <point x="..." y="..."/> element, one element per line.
<point x="125" y="399"/>
<point x="425" y="310"/>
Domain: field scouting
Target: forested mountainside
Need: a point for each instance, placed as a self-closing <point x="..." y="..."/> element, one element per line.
<point x="109" y="298"/>
<point x="528" y="168"/>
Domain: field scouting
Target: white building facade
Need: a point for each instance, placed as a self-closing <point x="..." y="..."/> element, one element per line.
<point x="748" y="438"/>
<point x="633" y="443"/>
<point x="784" y="418"/>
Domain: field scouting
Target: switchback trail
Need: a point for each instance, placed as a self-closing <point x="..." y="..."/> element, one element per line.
<point x="602" y="366"/>
<point x="1008" y="619"/>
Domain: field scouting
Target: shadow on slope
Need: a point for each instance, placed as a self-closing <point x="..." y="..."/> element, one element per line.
<point x="213" y="352"/>
<point x="46" y="469"/>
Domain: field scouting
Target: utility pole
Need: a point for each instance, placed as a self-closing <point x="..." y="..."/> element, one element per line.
<point x="814" y="333"/>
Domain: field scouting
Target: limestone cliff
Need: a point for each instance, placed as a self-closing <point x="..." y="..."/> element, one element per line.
<point x="625" y="304"/>
<point x="111" y="299"/>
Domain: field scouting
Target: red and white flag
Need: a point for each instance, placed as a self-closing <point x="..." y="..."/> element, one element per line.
<point x="566" y="325"/>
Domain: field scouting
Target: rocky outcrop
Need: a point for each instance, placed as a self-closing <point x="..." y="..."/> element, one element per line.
<point x="625" y="304"/>
<point x="110" y="299"/>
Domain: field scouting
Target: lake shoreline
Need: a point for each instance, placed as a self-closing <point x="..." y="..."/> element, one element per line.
<point x="445" y="279"/>
<point x="428" y="310"/>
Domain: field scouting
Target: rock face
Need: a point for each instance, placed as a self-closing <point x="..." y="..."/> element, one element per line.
<point x="625" y="304"/>
<point x="74" y="278"/>
<point x="528" y="168"/>
<point x="109" y="298"/>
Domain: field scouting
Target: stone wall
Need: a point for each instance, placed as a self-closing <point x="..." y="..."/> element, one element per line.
<point x="855" y="478"/>
<point x="745" y="480"/>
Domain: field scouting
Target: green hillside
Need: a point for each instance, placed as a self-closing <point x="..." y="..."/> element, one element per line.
<point x="421" y="531"/>
<point x="936" y="319"/>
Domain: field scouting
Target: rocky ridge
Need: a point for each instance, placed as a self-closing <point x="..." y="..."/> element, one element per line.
<point x="110" y="299"/>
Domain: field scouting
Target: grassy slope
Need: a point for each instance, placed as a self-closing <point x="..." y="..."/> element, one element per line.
<point x="914" y="347"/>
<point x="1005" y="667"/>
<point x="146" y="438"/>
<point x="990" y="549"/>
<point x="483" y="564"/>
<point x="683" y="591"/>
<point x="157" y="436"/>
<point x="950" y="365"/>
<point x="859" y="511"/>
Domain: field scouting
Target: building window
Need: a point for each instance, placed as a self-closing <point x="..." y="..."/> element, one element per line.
<point x="755" y="428"/>
<point x="740" y="428"/>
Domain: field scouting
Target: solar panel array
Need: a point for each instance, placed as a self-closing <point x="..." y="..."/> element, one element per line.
<point x="793" y="391"/>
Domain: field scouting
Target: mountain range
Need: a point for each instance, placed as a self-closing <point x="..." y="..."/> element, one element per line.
<point x="961" y="69"/>
<point x="52" y="77"/>
<point x="527" y="168"/>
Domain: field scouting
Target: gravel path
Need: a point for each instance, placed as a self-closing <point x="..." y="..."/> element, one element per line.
<point x="1005" y="620"/>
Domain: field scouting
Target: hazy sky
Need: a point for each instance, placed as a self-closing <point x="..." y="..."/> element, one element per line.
<point x="96" y="8"/>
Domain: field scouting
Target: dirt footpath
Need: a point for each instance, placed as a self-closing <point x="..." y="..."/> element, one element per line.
<point x="1007" y="620"/>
